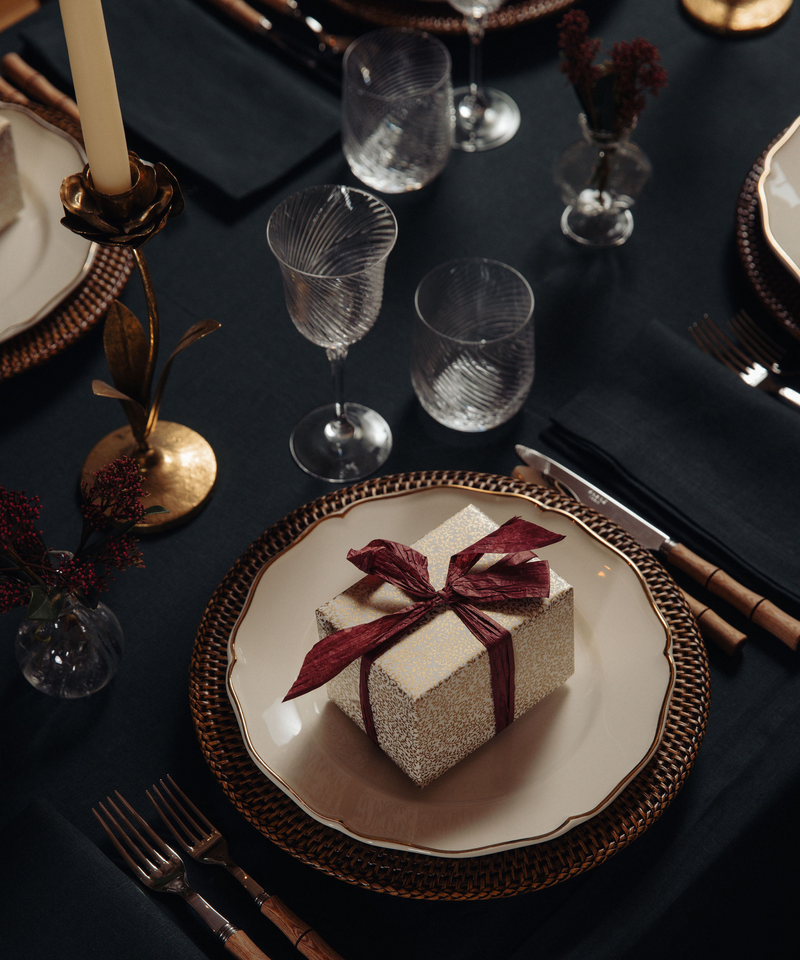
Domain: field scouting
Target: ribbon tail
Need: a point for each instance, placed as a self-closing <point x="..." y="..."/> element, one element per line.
<point x="500" y="648"/>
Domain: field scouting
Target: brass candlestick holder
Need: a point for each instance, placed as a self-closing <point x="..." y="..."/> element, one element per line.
<point x="737" y="16"/>
<point x="178" y="466"/>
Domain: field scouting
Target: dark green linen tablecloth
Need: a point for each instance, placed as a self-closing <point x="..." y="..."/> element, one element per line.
<point x="708" y="877"/>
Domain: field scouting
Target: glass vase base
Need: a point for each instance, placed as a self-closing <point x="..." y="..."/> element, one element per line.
<point x="599" y="229"/>
<point x="498" y="121"/>
<point x="341" y="461"/>
<point x="73" y="656"/>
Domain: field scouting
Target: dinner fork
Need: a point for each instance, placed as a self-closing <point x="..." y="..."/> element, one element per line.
<point x="201" y="840"/>
<point x="761" y="345"/>
<point x="714" y="342"/>
<point x="160" y="868"/>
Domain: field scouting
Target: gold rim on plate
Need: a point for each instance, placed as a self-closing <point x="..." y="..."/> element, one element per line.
<point x="777" y="288"/>
<point x="417" y="875"/>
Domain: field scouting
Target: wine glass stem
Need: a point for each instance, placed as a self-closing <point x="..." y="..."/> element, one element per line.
<point x="476" y="31"/>
<point x="340" y="428"/>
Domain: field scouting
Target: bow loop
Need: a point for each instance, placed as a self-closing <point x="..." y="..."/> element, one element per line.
<point x="402" y="566"/>
<point x="516" y="574"/>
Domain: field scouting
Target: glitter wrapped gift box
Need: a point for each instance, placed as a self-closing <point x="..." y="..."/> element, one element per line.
<point x="430" y="693"/>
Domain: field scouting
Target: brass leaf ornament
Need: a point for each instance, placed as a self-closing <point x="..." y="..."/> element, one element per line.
<point x="177" y="464"/>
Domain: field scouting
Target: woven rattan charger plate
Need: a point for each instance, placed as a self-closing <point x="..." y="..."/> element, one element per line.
<point x="83" y="308"/>
<point x="441" y="17"/>
<point x="777" y="288"/>
<point x="420" y="876"/>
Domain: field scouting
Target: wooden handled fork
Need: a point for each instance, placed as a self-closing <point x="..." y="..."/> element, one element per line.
<point x="201" y="840"/>
<point x="160" y="868"/>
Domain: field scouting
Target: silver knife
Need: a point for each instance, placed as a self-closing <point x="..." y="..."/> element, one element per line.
<point x="756" y="608"/>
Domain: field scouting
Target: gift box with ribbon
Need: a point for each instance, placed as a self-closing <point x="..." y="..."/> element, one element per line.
<point x="446" y="642"/>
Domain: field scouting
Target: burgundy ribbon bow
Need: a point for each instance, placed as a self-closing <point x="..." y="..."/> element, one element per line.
<point x="514" y="576"/>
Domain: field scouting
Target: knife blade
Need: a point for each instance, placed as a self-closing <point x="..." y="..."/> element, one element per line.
<point x="756" y="608"/>
<point x="711" y="624"/>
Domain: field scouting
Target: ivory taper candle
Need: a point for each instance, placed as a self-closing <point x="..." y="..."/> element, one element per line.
<point x="96" y="93"/>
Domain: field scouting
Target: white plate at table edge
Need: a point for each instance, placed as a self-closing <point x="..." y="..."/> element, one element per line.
<point x="772" y="181"/>
<point x="63" y="266"/>
<point x="557" y="766"/>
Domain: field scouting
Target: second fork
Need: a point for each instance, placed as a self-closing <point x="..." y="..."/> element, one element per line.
<point x="711" y="340"/>
<point x="160" y="868"/>
<point x="202" y="841"/>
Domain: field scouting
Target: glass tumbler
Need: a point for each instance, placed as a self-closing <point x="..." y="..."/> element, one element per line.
<point x="397" y="109"/>
<point x="472" y="358"/>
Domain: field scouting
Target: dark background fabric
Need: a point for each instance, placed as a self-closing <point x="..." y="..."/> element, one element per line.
<point x="708" y="877"/>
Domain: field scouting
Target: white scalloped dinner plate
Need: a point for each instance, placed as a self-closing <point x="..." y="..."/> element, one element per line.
<point x="556" y="766"/>
<point x="41" y="262"/>
<point x="779" y="196"/>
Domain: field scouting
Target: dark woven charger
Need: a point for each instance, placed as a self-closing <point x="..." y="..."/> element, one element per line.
<point x="415" y="875"/>
<point x="776" y="287"/>
<point x="441" y="17"/>
<point x="83" y="308"/>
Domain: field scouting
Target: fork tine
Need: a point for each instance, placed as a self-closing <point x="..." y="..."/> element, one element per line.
<point x="181" y="817"/>
<point x="763" y="346"/>
<point x="728" y="346"/>
<point x="168" y="852"/>
<point x="709" y="343"/>
<point x="137" y="870"/>
<point x="185" y="839"/>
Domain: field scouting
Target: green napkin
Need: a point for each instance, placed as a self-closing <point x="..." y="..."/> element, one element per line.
<point x="683" y="441"/>
<point x="195" y="88"/>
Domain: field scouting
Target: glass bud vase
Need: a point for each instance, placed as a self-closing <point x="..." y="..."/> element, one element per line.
<point x="73" y="656"/>
<point x="599" y="178"/>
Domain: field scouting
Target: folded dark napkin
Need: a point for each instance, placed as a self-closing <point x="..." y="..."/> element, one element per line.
<point x="683" y="441"/>
<point x="58" y="887"/>
<point x="229" y="110"/>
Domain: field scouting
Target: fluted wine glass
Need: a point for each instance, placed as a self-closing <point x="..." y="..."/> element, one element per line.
<point x="332" y="243"/>
<point x="485" y="118"/>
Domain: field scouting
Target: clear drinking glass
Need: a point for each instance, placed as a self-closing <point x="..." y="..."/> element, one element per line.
<point x="332" y="243"/>
<point x="397" y="109"/>
<point x="472" y="358"/>
<point x="485" y="118"/>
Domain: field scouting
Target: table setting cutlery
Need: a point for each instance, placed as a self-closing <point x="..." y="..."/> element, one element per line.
<point x="542" y="469"/>
<point x="10" y="94"/>
<point x="313" y="59"/>
<point x="752" y="360"/>
<point x="675" y="439"/>
<point x="196" y="834"/>
<point x="161" y="869"/>
<point x="37" y="86"/>
<point x="336" y="43"/>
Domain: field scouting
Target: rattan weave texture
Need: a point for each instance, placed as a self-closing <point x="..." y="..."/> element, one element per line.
<point x="777" y="288"/>
<point x="419" y="876"/>
<point x="441" y="17"/>
<point x="83" y="308"/>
